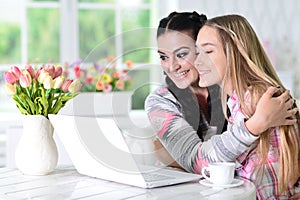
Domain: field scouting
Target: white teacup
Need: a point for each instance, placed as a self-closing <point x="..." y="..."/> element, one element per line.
<point x="221" y="173"/>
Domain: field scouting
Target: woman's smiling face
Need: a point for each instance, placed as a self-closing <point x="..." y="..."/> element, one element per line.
<point x="177" y="56"/>
<point x="211" y="59"/>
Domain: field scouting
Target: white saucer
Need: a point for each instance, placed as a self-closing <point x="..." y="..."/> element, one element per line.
<point x="235" y="183"/>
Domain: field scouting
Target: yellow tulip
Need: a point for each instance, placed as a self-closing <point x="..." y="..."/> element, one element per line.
<point x="75" y="86"/>
<point x="58" y="81"/>
<point x="10" y="89"/>
<point x="48" y="82"/>
<point x="43" y="74"/>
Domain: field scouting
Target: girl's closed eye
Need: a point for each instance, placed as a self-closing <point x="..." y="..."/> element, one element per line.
<point x="202" y="51"/>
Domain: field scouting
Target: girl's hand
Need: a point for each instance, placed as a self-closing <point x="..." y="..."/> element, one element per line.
<point x="163" y="155"/>
<point x="272" y="111"/>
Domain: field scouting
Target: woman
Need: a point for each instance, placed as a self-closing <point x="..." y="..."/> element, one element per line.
<point x="171" y="107"/>
<point x="230" y="55"/>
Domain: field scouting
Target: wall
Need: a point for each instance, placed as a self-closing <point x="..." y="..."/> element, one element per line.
<point x="275" y="21"/>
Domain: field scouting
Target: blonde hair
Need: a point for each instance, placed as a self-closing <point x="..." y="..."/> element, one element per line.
<point x="249" y="69"/>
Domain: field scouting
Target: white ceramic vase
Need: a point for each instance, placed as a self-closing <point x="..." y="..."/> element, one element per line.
<point x="36" y="153"/>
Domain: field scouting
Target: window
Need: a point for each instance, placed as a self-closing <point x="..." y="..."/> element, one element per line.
<point x="77" y="27"/>
<point x="63" y="31"/>
<point x="42" y="34"/>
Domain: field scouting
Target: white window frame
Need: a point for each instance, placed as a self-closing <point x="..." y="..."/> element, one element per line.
<point x="69" y="35"/>
<point x="69" y="38"/>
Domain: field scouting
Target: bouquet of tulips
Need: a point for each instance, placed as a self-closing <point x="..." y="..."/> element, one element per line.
<point x="40" y="91"/>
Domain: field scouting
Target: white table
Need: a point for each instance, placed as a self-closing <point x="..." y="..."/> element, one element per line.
<point x="13" y="129"/>
<point x="66" y="183"/>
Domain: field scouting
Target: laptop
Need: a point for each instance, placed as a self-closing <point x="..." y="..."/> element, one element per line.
<point x="98" y="148"/>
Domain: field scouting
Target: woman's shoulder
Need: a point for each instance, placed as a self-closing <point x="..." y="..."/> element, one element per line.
<point x="162" y="92"/>
<point x="160" y="96"/>
<point x="162" y="102"/>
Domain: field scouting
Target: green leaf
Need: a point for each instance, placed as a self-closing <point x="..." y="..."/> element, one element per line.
<point x="28" y="101"/>
<point x="20" y="106"/>
<point x="57" y="107"/>
<point x="39" y="106"/>
<point x="44" y="101"/>
<point x="20" y="102"/>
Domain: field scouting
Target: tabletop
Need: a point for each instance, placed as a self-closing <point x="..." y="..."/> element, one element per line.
<point x="67" y="183"/>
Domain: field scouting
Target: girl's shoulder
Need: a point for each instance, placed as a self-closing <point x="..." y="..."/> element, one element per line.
<point x="238" y="105"/>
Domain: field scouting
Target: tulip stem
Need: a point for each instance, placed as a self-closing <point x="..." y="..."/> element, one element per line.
<point x="28" y="92"/>
<point x="47" y="93"/>
<point x="20" y="100"/>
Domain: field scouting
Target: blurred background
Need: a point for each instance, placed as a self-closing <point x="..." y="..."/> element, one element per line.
<point x="64" y="31"/>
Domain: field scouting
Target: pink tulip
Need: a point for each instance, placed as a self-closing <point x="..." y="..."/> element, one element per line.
<point x="10" y="77"/>
<point x="39" y="72"/>
<point x="16" y="71"/>
<point x="88" y="80"/>
<point x="65" y="85"/>
<point x="77" y="71"/>
<point x="30" y="70"/>
<point x="57" y="72"/>
<point x="25" y="79"/>
<point x="50" y="69"/>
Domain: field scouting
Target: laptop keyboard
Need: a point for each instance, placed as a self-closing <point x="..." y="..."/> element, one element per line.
<point x="155" y="177"/>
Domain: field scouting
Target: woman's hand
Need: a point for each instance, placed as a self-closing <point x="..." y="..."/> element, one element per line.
<point x="295" y="196"/>
<point x="272" y="111"/>
<point x="163" y="155"/>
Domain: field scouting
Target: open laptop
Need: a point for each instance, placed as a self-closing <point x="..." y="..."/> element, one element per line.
<point x="98" y="148"/>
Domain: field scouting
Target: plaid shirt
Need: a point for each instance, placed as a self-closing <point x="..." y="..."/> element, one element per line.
<point x="266" y="184"/>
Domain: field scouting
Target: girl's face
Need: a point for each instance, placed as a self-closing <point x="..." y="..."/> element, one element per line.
<point x="177" y="56"/>
<point x="211" y="59"/>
